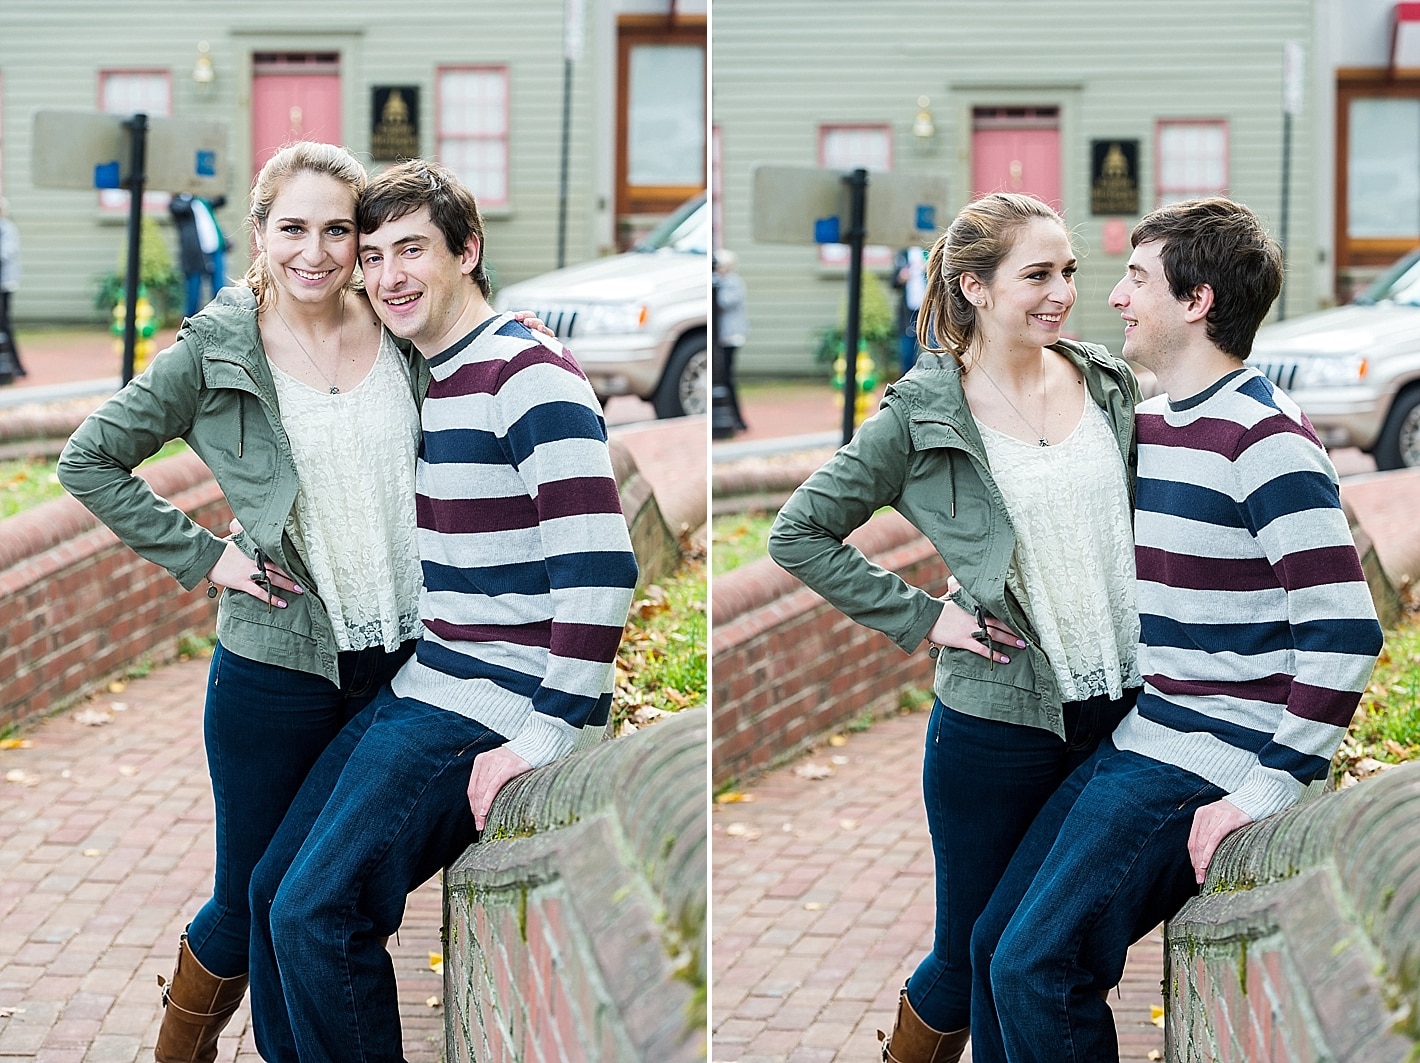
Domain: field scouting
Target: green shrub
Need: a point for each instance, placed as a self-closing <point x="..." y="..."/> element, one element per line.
<point x="156" y="273"/>
<point x="877" y="327"/>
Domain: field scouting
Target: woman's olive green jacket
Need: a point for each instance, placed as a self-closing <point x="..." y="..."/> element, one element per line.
<point x="213" y="388"/>
<point x="922" y="455"/>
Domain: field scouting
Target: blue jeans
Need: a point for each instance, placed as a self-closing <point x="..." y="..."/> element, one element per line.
<point x="1105" y="861"/>
<point x="984" y="781"/>
<point x="264" y="728"/>
<point x="384" y="809"/>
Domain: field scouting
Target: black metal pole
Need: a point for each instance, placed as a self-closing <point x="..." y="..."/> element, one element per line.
<point x="566" y="153"/>
<point x="857" y="221"/>
<point x="1286" y="197"/>
<point x="137" y="177"/>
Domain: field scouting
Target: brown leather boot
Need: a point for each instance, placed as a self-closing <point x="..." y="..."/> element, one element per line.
<point x="197" y="1006"/>
<point x="913" y="1041"/>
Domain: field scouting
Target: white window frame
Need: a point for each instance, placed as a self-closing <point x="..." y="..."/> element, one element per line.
<point x="835" y="256"/>
<point x="1206" y="173"/>
<point x="478" y="131"/>
<point x="114" y="201"/>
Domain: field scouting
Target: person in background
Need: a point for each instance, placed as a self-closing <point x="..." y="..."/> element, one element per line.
<point x="10" y="364"/>
<point x="201" y="247"/>
<point x="733" y="323"/>
<point x="909" y="278"/>
<point x="1012" y="450"/>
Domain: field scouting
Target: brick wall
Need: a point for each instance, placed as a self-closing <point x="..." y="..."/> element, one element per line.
<point x="789" y="667"/>
<point x="1302" y="944"/>
<point x="77" y="606"/>
<point x="576" y="928"/>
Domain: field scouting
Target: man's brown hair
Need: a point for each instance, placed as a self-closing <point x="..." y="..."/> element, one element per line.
<point x="1222" y="244"/>
<point x="407" y="186"/>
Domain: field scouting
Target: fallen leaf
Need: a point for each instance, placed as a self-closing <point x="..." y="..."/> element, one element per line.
<point x="1394" y="748"/>
<point x="127" y="770"/>
<point x="21" y="777"/>
<point x="15" y="743"/>
<point x="838" y="740"/>
<point x="433" y="1002"/>
<point x="848" y="824"/>
<point x="813" y="906"/>
<point x="1155" y="1054"/>
<point x="93" y="717"/>
<point x="1347" y="780"/>
<point x="741" y="830"/>
<point x="93" y="852"/>
<point x="1156" y="1015"/>
<point x="1370" y="766"/>
<point x="732" y="797"/>
<point x="118" y="686"/>
<point x="6" y="1013"/>
<point x="810" y="770"/>
<point x="436" y="962"/>
<point x="118" y="706"/>
<point x="840" y="760"/>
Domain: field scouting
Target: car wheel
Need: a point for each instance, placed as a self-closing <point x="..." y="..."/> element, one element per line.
<point x="1399" y="443"/>
<point x="685" y="384"/>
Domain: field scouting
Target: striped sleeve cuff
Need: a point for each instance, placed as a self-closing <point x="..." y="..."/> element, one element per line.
<point x="544" y="740"/>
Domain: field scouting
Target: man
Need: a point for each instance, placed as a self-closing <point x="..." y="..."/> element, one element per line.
<point x="1257" y="638"/>
<point x="528" y="576"/>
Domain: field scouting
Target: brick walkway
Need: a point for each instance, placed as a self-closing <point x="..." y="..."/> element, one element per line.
<point x="823" y="903"/>
<point x="105" y="854"/>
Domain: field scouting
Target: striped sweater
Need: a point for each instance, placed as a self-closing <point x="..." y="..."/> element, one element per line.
<point x="1257" y="632"/>
<point x="528" y="569"/>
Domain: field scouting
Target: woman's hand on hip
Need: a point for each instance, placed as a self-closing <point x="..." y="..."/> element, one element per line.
<point x="958" y="628"/>
<point x="239" y="572"/>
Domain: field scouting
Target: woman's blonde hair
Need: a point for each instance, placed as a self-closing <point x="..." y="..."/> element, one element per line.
<point x="328" y="160"/>
<point x="976" y="242"/>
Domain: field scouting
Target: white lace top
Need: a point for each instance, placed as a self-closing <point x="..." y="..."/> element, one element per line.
<point x="1074" y="560"/>
<point x="354" y="515"/>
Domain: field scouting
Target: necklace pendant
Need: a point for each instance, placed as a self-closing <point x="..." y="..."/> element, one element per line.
<point x="336" y="391"/>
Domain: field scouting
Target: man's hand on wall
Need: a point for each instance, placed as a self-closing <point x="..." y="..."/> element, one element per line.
<point x="1211" y="824"/>
<point x="490" y="771"/>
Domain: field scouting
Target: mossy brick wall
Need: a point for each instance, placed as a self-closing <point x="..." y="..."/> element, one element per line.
<point x="77" y="606"/>
<point x="1304" y="943"/>
<point x="788" y="666"/>
<point x="576" y="929"/>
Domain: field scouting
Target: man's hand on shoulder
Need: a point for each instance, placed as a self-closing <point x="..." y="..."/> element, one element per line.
<point x="490" y="771"/>
<point x="1211" y="824"/>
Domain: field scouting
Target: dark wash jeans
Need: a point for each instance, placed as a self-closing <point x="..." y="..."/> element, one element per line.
<point x="264" y="727"/>
<point x="1103" y="863"/>
<point x="984" y="781"/>
<point x="385" y="807"/>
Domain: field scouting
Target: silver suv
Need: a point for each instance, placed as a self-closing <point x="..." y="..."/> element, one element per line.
<point x="636" y="322"/>
<point x="1355" y="370"/>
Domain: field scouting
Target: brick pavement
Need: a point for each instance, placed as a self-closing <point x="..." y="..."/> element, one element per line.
<point x="105" y="853"/>
<point x="823" y="904"/>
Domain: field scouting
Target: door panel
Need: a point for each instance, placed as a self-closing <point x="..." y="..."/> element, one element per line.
<point x="290" y="107"/>
<point x="1016" y="160"/>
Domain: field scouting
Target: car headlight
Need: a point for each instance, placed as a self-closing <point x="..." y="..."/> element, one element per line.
<point x="1346" y="371"/>
<point x="601" y="319"/>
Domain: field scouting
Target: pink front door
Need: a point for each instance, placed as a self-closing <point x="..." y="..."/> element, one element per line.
<point x="287" y="107"/>
<point x="1016" y="150"/>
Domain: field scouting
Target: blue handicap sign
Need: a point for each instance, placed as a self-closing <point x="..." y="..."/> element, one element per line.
<point x="206" y="164"/>
<point x="827" y="230"/>
<point x="106" y="175"/>
<point x="926" y="216"/>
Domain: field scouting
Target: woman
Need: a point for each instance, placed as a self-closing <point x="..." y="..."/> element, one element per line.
<point x="1012" y="451"/>
<point x="307" y="413"/>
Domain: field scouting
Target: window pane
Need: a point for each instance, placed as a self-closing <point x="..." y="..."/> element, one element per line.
<point x="482" y="165"/>
<point x="473" y="103"/>
<point x="665" y="139"/>
<point x="1383" y="169"/>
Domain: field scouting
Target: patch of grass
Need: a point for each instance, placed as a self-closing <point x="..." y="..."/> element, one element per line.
<point x="736" y="539"/>
<point x="28" y="482"/>
<point x="190" y="646"/>
<point x="1387" y="723"/>
<point x="661" y="665"/>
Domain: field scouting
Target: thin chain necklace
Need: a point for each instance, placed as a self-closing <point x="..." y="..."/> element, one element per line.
<point x="1044" y="398"/>
<point x="339" y="346"/>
